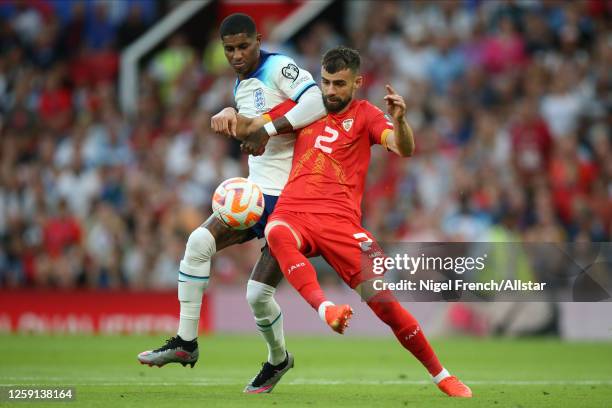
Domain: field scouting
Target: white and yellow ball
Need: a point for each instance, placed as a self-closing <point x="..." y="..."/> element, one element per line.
<point x="238" y="203"/>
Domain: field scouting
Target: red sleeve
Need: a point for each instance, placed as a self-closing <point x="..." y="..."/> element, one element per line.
<point x="280" y="110"/>
<point x="379" y="125"/>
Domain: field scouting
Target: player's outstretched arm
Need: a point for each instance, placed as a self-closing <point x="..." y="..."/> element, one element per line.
<point x="231" y="124"/>
<point x="401" y="140"/>
<point x="308" y="109"/>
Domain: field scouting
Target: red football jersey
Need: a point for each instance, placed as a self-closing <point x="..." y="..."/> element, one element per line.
<point x="331" y="158"/>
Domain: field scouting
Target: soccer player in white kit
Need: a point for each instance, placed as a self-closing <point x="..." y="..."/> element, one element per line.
<point x="264" y="81"/>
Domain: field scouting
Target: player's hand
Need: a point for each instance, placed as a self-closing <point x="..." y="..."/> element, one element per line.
<point x="224" y="122"/>
<point x="396" y="106"/>
<point x="255" y="143"/>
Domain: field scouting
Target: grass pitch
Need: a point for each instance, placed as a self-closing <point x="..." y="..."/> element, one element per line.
<point x="329" y="372"/>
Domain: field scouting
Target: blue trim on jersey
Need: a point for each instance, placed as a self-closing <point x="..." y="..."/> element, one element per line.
<point x="299" y="95"/>
<point x="270" y="203"/>
<point x="236" y="87"/>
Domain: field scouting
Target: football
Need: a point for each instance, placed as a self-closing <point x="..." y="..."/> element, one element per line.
<point x="238" y="203"/>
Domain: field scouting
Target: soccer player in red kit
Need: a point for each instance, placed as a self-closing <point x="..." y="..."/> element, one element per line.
<point x="319" y="210"/>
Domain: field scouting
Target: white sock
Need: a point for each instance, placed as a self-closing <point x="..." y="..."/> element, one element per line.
<point x="269" y="319"/>
<point x="190" y="295"/>
<point x="193" y="279"/>
<point x="441" y="375"/>
<point x="322" y="308"/>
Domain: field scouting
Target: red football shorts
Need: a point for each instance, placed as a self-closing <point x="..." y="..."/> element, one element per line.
<point x="341" y="241"/>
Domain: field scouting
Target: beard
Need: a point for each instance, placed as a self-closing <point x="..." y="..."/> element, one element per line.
<point x="336" y="104"/>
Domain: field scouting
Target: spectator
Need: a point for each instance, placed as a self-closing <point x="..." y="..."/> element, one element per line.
<point x="55" y="106"/>
<point x="531" y="142"/>
<point x="100" y="30"/>
<point x="563" y="105"/>
<point x="73" y="31"/>
<point x="78" y="186"/>
<point x="132" y="27"/>
<point x="61" y="239"/>
<point x="447" y="64"/>
<point x="169" y="63"/>
<point x="27" y="22"/>
<point x="505" y="50"/>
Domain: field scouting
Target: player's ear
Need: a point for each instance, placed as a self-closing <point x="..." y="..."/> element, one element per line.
<point x="258" y="38"/>
<point x="358" y="81"/>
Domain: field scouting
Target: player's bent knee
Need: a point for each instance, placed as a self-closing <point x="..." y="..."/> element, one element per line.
<point x="258" y="294"/>
<point x="198" y="252"/>
<point x="200" y="245"/>
<point x="276" y="233"/>
<point x="367" y="291"/>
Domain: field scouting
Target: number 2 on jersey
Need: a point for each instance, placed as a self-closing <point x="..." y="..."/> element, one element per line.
<point x="327" y="139"/>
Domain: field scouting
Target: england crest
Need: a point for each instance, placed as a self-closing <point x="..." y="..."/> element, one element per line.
<point x="346" y="124"/>
<point x="259" y="99"/>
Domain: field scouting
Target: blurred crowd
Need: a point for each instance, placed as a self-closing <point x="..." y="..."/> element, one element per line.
<point x="509" y="101"/>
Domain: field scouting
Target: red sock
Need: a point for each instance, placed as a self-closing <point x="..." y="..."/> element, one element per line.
<point x="407" y="330"/>
<point x="295" y="266"/>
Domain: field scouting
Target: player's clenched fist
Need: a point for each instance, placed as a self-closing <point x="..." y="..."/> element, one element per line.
<point x="224" y="122"/>
<point x="252" y="133"/>
<point x="396" y="106"/>
<point x="255" y="142"/>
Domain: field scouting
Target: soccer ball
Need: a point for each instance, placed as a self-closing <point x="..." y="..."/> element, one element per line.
<point x="238" y="203"/>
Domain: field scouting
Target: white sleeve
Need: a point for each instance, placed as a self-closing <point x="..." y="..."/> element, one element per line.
<point x="291" y="80"/>
<point x="308" y="109"/>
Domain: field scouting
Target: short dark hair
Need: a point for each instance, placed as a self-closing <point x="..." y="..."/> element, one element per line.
<point x="237" y="23"/>
<point x="341" y="58"/>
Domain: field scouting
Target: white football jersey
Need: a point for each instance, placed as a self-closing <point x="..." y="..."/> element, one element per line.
<point x="276" y="79"/>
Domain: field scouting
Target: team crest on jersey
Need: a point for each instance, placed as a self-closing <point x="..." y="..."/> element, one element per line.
<point x="347" y="124"/>
<point x="259" y="99"/>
